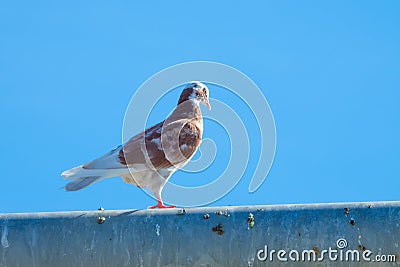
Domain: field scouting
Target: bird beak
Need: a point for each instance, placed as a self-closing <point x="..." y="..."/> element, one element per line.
<point x="207" y="103"/>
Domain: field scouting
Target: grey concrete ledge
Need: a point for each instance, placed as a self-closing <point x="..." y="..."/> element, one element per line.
<point x="210" y="236"/>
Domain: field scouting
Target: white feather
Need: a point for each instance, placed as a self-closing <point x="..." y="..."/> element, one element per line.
<point x="79" y="172"/>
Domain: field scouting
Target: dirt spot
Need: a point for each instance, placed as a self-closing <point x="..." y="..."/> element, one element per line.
<point x="218" y="229"/>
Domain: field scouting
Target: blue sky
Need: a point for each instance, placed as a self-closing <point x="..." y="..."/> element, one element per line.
<point x="329" y="70"/>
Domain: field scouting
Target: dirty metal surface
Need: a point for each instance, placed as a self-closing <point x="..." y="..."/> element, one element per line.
<point x="212" y="236"/>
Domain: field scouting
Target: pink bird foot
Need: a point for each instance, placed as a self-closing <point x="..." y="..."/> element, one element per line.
<point x="160" y="205"/>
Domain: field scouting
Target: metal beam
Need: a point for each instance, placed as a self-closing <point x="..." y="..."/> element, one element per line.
<point x="211" y="236"/>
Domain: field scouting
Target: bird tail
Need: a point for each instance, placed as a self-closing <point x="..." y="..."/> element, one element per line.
<point x="81" y="183"/>
<point x="82" y="177"/>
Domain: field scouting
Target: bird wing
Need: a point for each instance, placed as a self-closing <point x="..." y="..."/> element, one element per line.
<point x="164" y="145"/>
<point x="167" y="144"/>
<point x="129" y="154"/>
<point x="145" y="148"/>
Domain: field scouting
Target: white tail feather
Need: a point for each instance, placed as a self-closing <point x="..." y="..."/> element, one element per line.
<point x="82" y="177"/>
<point x="82" y="183"/>
<point x="79" y="172"/>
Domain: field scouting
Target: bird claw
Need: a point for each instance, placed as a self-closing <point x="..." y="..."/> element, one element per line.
<point x="161" y="205"/>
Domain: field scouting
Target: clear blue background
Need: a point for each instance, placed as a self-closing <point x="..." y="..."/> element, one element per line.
<point x="330" y="71"/>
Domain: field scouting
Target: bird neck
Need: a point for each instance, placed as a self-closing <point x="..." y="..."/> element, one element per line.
<point x="187" y="110"/>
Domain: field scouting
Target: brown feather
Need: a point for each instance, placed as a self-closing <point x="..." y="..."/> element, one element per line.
<point x="190" y="136"/>
<point x="167" y="137"/>
<point x="132" y="152"/>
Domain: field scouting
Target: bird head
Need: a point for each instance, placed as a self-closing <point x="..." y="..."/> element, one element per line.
<point x="196" y="92"/>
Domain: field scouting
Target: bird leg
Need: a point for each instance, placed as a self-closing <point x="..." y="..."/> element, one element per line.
<point x="160" y="205"/>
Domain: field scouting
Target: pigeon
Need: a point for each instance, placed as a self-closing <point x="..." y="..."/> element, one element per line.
<point x="149" y="158"/>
